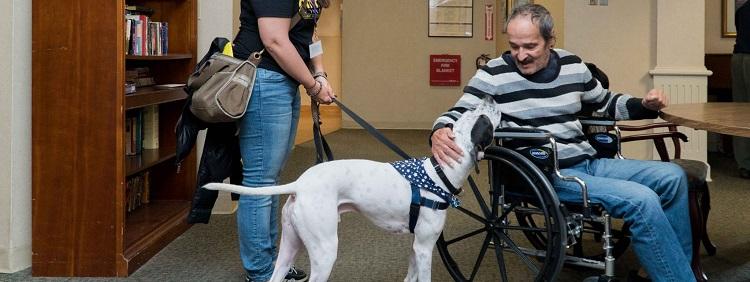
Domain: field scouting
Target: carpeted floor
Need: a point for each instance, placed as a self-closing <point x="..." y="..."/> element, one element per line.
<point x="208" y="252"/>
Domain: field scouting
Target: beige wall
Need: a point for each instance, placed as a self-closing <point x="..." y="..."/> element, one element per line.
<point x="619" y="38"/>
<point x="386" y="62"/>
<point x="15" y="142"/>
<point x="715" y="44"/>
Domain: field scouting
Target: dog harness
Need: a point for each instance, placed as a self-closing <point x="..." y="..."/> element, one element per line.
<point x="415" y="173"/>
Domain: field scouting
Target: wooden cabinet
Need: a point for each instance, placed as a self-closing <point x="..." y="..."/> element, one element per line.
<point x="80" y="170"/>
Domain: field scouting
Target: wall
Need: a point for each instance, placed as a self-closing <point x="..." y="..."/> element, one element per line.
<point x="715" y="44"/>
<point x="385" y="62"/>
<point x="215" y="19"/>
<point x="622" y="43"/>
<point x="15" y="142"/>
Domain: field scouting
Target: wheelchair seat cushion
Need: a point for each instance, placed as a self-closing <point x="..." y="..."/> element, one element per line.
<point x="696" y="171"/>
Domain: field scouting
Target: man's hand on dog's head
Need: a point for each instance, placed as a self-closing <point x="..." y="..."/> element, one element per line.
<point x="444" y="149"/>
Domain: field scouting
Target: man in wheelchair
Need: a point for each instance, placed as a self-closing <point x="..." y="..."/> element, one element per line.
<point x="536" y="86"/>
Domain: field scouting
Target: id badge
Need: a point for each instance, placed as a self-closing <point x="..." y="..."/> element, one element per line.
<point x="316" y="49"/>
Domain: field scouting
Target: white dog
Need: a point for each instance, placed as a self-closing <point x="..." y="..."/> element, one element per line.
<point x="376" y="190"/>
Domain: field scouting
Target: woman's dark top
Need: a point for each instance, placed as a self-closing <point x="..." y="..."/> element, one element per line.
<point x="248" y="38"/>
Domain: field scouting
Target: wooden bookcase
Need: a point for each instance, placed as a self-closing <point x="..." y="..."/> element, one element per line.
<point x="80" y="223"/>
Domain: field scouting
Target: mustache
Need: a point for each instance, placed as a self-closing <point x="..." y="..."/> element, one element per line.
<point x="524" y="62"/>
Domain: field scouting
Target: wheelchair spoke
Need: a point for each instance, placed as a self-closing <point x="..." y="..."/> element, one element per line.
<point x="472" y="214"/>
<point x="480" y="200"/>
<point x="480" y="257"/>
<point x="518" y="251"/>
<point x="467" y="235"/>
<point x="500" y="257"/>
<point x="506" y="212"/>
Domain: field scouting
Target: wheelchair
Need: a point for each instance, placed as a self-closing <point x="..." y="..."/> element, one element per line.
<point x="520" y="222"/>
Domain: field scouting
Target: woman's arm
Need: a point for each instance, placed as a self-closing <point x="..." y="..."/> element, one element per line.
<point x="274" y="33"/>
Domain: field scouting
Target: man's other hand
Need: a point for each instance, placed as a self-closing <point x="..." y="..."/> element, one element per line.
<point x="655" y="100"/>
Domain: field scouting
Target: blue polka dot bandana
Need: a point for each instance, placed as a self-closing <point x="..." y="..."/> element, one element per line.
<point x="414" y="172"/>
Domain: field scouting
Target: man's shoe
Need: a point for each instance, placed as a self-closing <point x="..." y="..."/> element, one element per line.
<point x="295" y="274"/>
<point x="744" y="173"/>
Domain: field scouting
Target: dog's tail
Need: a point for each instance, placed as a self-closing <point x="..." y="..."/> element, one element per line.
<point x="269" y="190"/>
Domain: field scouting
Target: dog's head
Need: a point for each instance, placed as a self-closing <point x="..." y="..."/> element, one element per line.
<point x="477" y="126"/>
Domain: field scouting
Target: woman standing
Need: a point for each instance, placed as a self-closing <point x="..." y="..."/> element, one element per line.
<point x="266" y="132"/>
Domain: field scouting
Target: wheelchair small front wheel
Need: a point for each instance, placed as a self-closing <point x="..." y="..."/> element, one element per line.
<point x="481" y="241"/>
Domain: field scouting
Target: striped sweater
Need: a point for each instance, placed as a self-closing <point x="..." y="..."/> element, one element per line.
<point x="550" y="99"/>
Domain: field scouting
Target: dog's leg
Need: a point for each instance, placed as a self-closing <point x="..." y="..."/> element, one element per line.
<point x="318" y="231"/>
<point x="411" y="275"/>
<point x="426" y="234"/>
<point x="289" y="245"/>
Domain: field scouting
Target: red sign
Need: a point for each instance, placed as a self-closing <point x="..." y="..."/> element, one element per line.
<point x="445" y="70"/>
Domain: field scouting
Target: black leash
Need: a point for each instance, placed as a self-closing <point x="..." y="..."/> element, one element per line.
<point x="321" y="145"/>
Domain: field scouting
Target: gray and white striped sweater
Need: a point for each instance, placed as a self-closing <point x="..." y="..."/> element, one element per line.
<point x="551" y="99"/>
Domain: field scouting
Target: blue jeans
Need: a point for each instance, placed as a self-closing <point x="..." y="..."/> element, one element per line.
<point x="652" y="197"/>
<point x="266" y="137"/>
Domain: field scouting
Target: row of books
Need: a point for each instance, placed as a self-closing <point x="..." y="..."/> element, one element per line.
<point x="137" y="191"/>
<point x="141" y="130"/>
<point x="143" y="36"/>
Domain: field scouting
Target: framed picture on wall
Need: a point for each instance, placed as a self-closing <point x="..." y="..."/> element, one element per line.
<point x="510" y="4"/>
<point x="450" y="18"/>
<point x="727" y="17"/>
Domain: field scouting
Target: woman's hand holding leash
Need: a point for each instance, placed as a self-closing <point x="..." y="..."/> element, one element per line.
<point x="321" y="91"/>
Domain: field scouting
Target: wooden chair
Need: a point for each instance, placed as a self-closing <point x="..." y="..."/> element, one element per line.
<point x="697" y="171"/>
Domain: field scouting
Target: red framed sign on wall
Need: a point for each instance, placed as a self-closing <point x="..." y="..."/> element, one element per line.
<point x="445" y="70"/>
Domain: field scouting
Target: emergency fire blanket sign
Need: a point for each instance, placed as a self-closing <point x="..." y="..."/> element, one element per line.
<point x="445" y="70"/>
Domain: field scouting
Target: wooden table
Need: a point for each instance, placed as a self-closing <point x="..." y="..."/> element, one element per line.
<point x="725" y="118"/>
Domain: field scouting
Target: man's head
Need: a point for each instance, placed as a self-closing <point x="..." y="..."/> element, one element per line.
<point x="530" y="37"/>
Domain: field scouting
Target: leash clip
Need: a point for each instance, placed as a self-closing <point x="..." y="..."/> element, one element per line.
<point x="455" y="201"/>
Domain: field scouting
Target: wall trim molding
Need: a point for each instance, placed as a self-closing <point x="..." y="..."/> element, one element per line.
<point x="680" y="71"/>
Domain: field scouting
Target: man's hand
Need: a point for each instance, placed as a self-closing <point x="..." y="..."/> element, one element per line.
<point x="444" y="149"/>
<point x="655" y="100"/>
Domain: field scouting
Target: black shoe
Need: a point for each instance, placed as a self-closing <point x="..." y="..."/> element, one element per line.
<point x="293" y="275"/>
<point x="744" y="173"/>
<point x="296" y="274"/>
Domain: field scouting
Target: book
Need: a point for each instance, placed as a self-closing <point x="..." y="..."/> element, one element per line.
<point x="151" y="127"/>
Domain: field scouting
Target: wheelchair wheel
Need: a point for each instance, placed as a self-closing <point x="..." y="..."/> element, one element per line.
<point x="481" y="241"/>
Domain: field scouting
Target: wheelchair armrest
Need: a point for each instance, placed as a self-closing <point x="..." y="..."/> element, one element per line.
<point x="522" y="133"/>
<point x="596" y="121"/>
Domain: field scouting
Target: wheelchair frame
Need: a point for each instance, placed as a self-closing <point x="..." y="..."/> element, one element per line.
<point x="559" y="230"/>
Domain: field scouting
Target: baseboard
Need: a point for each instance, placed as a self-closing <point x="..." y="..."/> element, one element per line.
<point x="15" y="259"/>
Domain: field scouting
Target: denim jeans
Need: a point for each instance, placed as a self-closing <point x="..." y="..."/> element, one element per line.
<point x="266" y="137"/>
<point x="652" y="197"/>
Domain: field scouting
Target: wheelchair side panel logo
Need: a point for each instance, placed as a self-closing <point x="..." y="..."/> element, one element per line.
<point x="604" y="138"/>
<point x="539" y="154"/>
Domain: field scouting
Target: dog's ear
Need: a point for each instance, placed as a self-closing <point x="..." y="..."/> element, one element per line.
<point x="482" y="132"/>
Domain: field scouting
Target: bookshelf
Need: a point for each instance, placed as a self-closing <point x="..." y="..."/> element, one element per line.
<point x="81" y="225"/>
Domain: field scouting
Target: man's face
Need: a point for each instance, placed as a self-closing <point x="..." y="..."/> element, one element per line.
<point x="529" y="50"/>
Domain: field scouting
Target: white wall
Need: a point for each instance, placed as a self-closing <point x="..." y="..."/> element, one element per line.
<point x="15" y="142"/>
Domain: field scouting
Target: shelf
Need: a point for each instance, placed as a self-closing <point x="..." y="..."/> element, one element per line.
<point x="173" y="56"/>
<point x="146" y="159"/>
<point x="150" y="228"/>
<point x="146" y="96"/>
